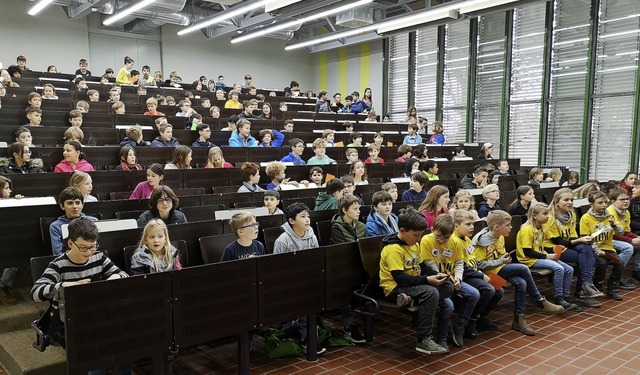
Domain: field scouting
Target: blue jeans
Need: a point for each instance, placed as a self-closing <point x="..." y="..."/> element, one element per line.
<point x="489" y="297"/>
<point x="465" y="301"/>
<point x="520" y="277"/>
<point x="443" y="319"/>
<point x="582" y="254"/>
<point x="120" y="369"/>
<point x="562" y="274"/>
<point x="625" y="251"/>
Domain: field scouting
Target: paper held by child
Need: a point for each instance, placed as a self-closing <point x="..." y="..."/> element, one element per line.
<point x="558" y="250"/>
<point x="497" y="281"/>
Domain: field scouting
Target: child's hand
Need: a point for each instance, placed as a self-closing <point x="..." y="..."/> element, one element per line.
<point x="635" y="241"/>
<point x="305" y="183"/>
<point x="73" y="283"/>
<point x="487" y="278"/>
<point x="19" y="196"/>
<point x="611" y="219"/>
<point x="599" y="253"/>
<point x="438" y="279"/>
<point x="586" y="239"/>
<point x="506" y="259"/>
<point x="552" y="257"/>
<point x="456" y="284"/>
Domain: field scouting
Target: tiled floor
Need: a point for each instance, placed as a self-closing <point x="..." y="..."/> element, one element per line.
<point x="596" y="341"/>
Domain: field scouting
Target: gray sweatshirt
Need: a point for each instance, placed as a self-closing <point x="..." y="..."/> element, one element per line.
<point x="484" y="238"/>
<point x="289" y="241"/>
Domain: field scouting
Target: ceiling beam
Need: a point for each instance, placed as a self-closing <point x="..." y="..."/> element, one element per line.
<point x="85" y="9"/>
<point x="344" y="42"/>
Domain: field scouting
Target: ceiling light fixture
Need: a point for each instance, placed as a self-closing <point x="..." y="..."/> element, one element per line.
<point x="294" y="23"/>
<point x="122" y="13"/>
<point x="235" y="11"/>
<point x="39" y="7"/>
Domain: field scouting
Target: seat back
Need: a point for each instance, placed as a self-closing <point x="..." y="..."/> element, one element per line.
<point x="370" y="249"/>
<point x="324" y="232"/>
<point x="39" y="264"/>
<point x="270" y="237"/>
<point x="123" y="215"/>
<point x="510" y="240"/>
<point x="201" y="213"/>
<point x="212" y="247"/>
<point x="117" y="195"/>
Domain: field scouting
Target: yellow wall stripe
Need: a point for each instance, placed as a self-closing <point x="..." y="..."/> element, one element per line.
<point x="322" y="71"/>
<point x="343" y="66"/>
<point x="365" y="68"/>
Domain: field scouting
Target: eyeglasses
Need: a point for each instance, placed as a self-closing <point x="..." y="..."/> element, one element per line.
<point x="84" y="249"/>
<point x="165" y="200"/>
<point x="493" y="191"/>
<point x="252" y="225"/>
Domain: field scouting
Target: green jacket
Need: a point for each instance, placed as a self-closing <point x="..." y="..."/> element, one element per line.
<point x="326" y="201"/>
<point x="342" y="231"/>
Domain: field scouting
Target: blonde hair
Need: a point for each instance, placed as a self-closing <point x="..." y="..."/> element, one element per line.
<point x="167" y="257"/>
<point x="134" y="133"/>
<point x="460" y="216"/>
<point x="274" y="169"/>
<point x="319" y="142"/>
<point x="213" y="151"/>
<point x="556" y="197"/>
<point x="535" y="209"/>
<point x="555" y="174"/>
<point x="78" y="178"/>
<point x="240" y="219"/>
<point x="463" y="193"/>
<point x="497" y="217"/>
<point x="585" y="190"/>
<point x="489" y="188"/>
<point x="152" y="100"/>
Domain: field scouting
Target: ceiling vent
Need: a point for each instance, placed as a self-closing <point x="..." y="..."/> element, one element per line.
<point x="223" y="2"/>
<point x="354" y="18"/>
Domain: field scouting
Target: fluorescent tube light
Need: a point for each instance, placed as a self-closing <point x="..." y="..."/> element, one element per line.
<point x="236" y="11"/>
<point x="290" y="24"/>
<point x="331" y="37"/>
<point x="474" y="6"/>
<point x="39" y="7"/>
<point x="127" y="11"/>
<point x="424" y="17"/>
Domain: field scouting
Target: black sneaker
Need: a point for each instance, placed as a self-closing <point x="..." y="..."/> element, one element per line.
<point x="487" y="325"/>
<point x="568" y="305"/>
<point x="457" y="334"/>
<point x="353" y="334"/>
<point x="590" y="291"/>
<point x="586" y="301"/>
<point x="614" y="294"/>
<point x="444" y="345"/>
<point x="626" y="285"/>
<point x="470" y="330"/>
<point x="636" y="276"/>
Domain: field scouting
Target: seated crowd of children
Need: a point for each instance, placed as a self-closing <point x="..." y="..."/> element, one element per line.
<point x="432" y="260"/>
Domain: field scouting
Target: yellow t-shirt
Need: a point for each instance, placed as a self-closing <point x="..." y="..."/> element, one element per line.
<point x="555" y="229"/>
<point x="124" y="76"/>
<point x="623" y="220"/>
<point x="491" y="252"/>
<point x="233" y="104"/>
<point x="445" y="256"/>
<point x="468" y="251"/>
<point x="531" y="238"/>
<point x="396" y="257"/>
<point x="590" y="225"/>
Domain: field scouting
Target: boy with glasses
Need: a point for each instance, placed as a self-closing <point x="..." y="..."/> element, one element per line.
<point x="297" y="148"/>
<point x="82" y="264"/>
<point x="245" y="226"/>
<point x="491" y="194"/>
<point x="71" y="201"/>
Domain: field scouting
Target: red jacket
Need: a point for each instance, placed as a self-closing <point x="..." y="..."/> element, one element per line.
<point x="65" y="166"/>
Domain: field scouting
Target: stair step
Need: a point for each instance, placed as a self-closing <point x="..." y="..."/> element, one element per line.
<point x="19" y="357"/>
<point x="20" y="316"/>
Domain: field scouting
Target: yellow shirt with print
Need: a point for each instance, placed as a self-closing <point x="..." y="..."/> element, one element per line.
<point x="491" y="252"/>
<point x="555" y="229"/>
<point x="529" y="237"/>
<point x="468" y="251"/>
<point x="397" y="257"/>
<point x="445" y="256"/>
<point x="623" y="220"/>
<point x="589" y="225"/>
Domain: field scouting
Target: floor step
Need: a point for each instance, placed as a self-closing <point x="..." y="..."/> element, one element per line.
<point x="19" y="357"/>
<point x="20" y="316"/>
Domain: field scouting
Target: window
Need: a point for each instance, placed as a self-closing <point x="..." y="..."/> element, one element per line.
<point x="527" y="70"/>
<point x="426" y="72"/>
<point x="398" y="77"/>
<point x="456" y="72"/>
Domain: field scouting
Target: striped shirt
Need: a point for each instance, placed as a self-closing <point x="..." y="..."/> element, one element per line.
<point x="62" y="269"/>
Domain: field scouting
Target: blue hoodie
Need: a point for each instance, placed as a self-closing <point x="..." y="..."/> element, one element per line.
<point x="277" y="141"/>
<point x="377" y="227"/>
<point x="237" y="141"/>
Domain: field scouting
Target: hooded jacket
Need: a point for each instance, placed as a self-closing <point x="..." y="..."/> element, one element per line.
<point x="467" y="183"/>
<point x="377" y="227"/>
<point x="289" y="241"/>
<point x="325" y="201"/>
<point x="487" y="262"/>
<point x="484" y="209"/>
<point x="8" y="166"/>
<point x="237" y="141"/>
<point x="82" y="165"/>
<point x="342" y="232"/>
<point x="142" y="262"/>
<point x="130" y="142"/>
